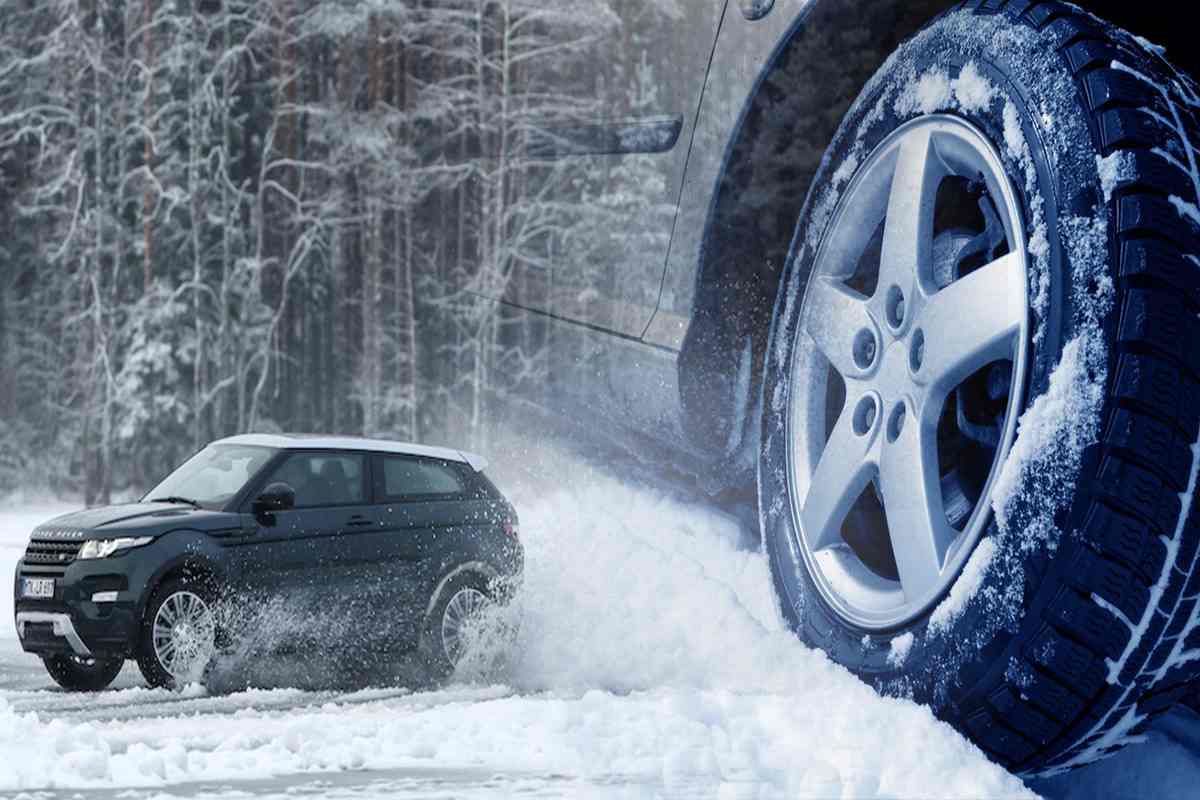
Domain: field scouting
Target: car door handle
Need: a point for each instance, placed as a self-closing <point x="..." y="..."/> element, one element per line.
<point x="359" y="521"/>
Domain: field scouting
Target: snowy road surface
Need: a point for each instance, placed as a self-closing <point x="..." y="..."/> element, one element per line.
<point x="652" y="663"/>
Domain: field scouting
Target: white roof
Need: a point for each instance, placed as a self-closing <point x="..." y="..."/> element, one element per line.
<point x="306" y="441"/>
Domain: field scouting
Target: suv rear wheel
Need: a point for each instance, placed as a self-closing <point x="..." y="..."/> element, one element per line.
<point x="982" y="395"/>
<point x="455" y="623"/>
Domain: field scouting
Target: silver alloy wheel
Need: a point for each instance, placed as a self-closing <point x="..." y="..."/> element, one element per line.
<point x="462" y="613"/>
<point x="900" y="353"/>
<point x="184" y="634"/>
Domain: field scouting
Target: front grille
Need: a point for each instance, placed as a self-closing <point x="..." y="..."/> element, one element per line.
<point x="51" y="554"/>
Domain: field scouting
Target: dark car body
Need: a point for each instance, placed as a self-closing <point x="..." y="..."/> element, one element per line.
<point x="361" y="575"/>
<point x="671" y="351"/>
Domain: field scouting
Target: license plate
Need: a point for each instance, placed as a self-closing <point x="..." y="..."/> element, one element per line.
<point x="37" y="587"/>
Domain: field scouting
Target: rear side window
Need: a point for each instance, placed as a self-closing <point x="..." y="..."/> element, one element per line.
<point x="405" y="478"/>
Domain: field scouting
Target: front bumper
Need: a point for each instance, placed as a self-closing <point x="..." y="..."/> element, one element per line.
<point x="94" y="610"/>
<point x="60" y="626"/>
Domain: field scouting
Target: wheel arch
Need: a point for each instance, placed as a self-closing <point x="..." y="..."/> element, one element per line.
<point x="482" y="569"/>
<point x="790" y="115"/>
<point x="195" y="557"/>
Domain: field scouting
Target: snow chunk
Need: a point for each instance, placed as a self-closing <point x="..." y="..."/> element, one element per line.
<point x="1113" y="170"/>
<point x="1014" y="137"/>
<point x="1186" y="209"/>
<point x="965" y="588"/>
<point x="901" y="646"/>
<point x="1059" y="423"/>
<point x="931" y="92"/>
<point x="972" y="91"/>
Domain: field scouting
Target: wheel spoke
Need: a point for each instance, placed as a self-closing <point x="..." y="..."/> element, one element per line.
<point x="841" y="475"/>
<point x="839" y="315"/>
<point x="912" y="500"/>
<point x="971" y="323"/>
<point x="908" y="226"/>
<point x="167" y="612"/>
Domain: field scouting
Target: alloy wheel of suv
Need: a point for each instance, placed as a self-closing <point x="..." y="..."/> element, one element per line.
<point x="179" y="637"/>
<point x="456" y="616"/>
<point x="916" y="376"/>
<point x="460" y="619"/>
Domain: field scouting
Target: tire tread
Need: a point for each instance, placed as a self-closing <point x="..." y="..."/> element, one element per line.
<point x="1131" y="535"/>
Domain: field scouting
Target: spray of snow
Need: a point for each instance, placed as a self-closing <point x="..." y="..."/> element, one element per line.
<point x="650" y="651"/>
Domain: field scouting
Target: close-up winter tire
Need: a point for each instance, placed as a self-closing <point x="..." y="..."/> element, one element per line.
<point x="982" y="394"/>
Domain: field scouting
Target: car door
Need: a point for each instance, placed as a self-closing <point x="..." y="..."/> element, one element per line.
<point x="418" y="507"/>
<point x="298" y="574"/>
<point x="749" y="44"/>
<point x="589" y="137"/>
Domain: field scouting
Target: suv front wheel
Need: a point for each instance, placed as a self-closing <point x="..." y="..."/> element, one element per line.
<point x="79" y="674"/>
<point x="179" y="631"/>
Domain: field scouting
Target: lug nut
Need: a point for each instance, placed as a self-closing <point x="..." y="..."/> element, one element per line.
<point x="864" y="349"/>
<point x="864" y="416"/>
<point x="917" y="354"/>
<point x="896" y="422"/>
<point x="895" y="307"/>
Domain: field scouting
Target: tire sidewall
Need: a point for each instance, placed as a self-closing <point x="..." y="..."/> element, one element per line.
<point x="1062" y="180"/>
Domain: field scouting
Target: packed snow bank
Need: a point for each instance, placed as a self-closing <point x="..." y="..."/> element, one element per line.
<point x="650" y="650"/>
<point x="19" y="515"/>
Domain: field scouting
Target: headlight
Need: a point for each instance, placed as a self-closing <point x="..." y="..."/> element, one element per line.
<point x="103" y="548"/>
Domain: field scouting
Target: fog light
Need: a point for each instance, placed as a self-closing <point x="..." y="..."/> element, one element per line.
<point x="104" y="597"/>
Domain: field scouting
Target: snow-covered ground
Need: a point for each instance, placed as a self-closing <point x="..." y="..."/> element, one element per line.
<point x="651" y="662"/>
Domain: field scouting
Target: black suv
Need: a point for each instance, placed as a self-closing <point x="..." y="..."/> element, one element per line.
<point x="363" y="545"/>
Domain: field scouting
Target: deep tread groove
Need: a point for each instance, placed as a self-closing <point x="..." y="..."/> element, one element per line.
<point x="1144" y="460"/>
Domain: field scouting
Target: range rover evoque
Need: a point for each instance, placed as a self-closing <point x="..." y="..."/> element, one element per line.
<point x="374" y="546"/>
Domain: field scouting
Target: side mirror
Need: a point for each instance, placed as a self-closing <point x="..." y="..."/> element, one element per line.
<point x="276" y="497"/>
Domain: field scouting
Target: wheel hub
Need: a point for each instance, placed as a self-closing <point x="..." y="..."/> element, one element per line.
<point x="892" y="330"/>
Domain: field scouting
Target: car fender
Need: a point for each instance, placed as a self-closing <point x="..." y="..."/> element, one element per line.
<point x="181" y="550"/>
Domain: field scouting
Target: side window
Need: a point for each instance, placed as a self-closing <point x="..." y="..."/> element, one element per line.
<point x="323" y="479"/>
<point x="400" y="478"/>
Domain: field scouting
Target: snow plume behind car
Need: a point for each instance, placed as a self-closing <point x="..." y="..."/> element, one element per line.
<point x="649" y="649"/>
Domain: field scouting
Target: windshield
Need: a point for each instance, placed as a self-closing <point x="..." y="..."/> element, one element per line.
<point x="213" y="476"/>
